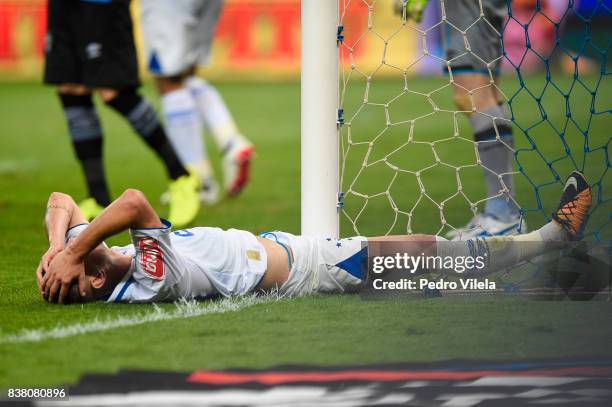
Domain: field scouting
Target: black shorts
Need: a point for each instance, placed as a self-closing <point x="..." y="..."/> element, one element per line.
<point x="90" y="42"/>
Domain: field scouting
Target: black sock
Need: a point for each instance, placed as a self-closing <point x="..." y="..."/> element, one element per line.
<point x="144" y="121"/>
<point x="86" y="136"/>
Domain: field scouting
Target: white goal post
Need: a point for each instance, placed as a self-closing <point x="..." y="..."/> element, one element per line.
<point x="319" y="101"/>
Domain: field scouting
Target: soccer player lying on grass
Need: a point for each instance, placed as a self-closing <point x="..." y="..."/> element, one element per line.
<point x="200" y="262"/>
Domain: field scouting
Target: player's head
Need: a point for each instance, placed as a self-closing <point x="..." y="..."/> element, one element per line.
<point x="98" y="264"/>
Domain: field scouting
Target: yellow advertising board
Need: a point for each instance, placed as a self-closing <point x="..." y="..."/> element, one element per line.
<point x="254" y="39"/>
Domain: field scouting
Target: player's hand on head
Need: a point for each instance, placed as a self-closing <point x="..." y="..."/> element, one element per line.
<point x="39" y="277"/>
<point x="43" y="265"/>
<point x="50" y="255"/>
<point x="63" y="270"/>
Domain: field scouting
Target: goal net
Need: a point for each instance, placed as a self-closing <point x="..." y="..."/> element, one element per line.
<point x="409" y="159"/>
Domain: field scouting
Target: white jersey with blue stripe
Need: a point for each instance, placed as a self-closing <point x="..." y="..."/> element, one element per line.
<point x="191" y="263"/>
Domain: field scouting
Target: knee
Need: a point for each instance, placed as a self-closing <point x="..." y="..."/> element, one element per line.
<point x="122" y="100"/>
<point x="107" y="94"/>
<point x="73" y="89"/>
<point x="134" y="199"/>
<point x="133" y="194"/>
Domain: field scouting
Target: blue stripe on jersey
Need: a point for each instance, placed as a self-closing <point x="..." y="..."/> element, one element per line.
<point x="356" y="265"/>
<point x="124" y="289"/>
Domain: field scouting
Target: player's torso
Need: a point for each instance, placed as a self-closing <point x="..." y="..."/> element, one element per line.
<point x="209" y="261"/>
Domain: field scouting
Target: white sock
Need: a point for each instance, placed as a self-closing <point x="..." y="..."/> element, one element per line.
<point x="184" y="128"/>
<point x="214" y="112"/>
<point x="503" y="252"/>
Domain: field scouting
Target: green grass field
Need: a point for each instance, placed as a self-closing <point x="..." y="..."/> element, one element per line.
<point x="36" y="159"/>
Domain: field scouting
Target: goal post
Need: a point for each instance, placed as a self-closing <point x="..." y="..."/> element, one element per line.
<point x="319" y="101"/>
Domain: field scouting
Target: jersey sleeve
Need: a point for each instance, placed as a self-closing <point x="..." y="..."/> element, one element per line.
<point x="156" y="260"/>
<point x="75" y="231"/>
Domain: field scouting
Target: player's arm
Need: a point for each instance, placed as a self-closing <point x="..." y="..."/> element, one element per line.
<point x="62" y="213"/>
<point x="130" y="210"/>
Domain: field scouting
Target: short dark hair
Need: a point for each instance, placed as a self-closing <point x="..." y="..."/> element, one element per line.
<point x="74" y="296"/>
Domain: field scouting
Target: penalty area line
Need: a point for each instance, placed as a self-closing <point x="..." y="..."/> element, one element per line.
<point x="182" y="309"/>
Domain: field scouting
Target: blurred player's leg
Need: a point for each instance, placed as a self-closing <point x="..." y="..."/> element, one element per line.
<point x="179" y="37"/>
<point x="493" y="132"/>
<point x="184" y="127"/>
<point x="236" y="149"/>
<point x="184" y="201"/>
<point x="90" y="45"/>
<point x="214" y="112"/>
<point x="473" y="70"/>
<point x="64" y="69"/>
<point x="86" y="137"/>
<point x="109" y="66"/>
<point x="143" y="119"/>
<point x="168" y="32"/>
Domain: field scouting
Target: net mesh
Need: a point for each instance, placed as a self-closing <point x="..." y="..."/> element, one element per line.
<point x="409" y="161"/>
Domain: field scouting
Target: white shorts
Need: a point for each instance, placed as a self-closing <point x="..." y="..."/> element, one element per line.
<point x="322" y="264"/>
<point x="178" y="34"/>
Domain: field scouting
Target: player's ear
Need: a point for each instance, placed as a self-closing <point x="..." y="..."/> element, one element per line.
<point x="99" y="279"/>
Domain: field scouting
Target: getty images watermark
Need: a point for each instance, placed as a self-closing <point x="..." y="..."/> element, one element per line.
<point x="575" y="270"/>
<point x="403" y="262"/>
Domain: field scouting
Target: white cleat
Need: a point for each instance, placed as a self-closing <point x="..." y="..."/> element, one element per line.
<point x="470" y="225"/>
<point x="209" y="192"/>
<point x="236" y="163"/>
<point x="483" y="225"/>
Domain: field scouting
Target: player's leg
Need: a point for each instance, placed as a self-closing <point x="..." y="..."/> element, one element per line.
<point x="111" y="67"/>
<point x="64" y="69"/>
<point x="237" y="151"/>
<point x="474" y="72"/>
<point x="338" y="265"/>
<point x="86" y="136"/>
<point x="501" y="252"/>
<point x="143" y="119"/>
<point x="184" y="127"/>
<point x="493" y="132"/>
<point x="167" y="28"/>
<point x="184" y="200"/>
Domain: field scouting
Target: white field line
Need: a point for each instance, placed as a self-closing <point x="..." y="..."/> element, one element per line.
<point x="183" y="309"/>
<point x="15" y="166"/>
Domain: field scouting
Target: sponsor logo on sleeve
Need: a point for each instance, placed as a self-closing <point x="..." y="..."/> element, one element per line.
<point x="150" y="258"/>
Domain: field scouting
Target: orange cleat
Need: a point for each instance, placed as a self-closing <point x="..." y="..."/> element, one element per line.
<point x="574" y="205"/>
